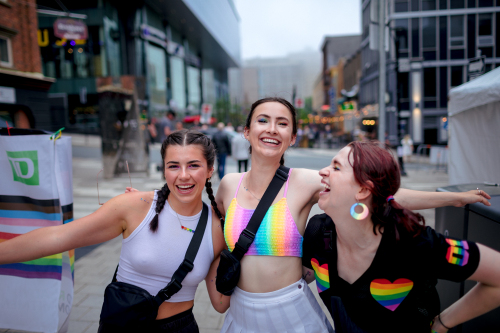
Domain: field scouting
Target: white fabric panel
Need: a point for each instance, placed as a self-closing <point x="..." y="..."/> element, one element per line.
<point x="474" y="145"/>
<point x="483" y="90"/>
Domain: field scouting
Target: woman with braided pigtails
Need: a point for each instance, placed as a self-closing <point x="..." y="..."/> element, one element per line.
<point x="156" y="227"/>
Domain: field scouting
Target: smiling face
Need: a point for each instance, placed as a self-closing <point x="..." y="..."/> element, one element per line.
<point x="186" y="172"/>
<point x="340" y="186"/>
<point x="271" y="129"/>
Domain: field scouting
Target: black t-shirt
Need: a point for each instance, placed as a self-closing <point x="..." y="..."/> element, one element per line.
<point x="397" y="292"/>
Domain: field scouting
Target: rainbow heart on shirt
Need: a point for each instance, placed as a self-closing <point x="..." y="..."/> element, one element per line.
<point x="388" y="294"/>
<point x="321" y="274"/>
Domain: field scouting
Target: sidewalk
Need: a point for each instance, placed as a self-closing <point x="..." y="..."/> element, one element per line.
<point x="95" y="270"/>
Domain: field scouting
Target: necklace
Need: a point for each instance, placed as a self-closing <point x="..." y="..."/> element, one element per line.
<point x="246" y="189"/>
<point x="183" y="227"/>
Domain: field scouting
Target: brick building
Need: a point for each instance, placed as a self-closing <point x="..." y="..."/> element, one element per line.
<point x="23" y="88"/>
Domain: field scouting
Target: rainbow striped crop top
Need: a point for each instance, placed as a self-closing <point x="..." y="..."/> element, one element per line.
<point x="277" y="234"/>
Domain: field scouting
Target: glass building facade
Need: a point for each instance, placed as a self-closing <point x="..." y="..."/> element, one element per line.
<point x="431" y="43"/>
<point x="181" y="48"/>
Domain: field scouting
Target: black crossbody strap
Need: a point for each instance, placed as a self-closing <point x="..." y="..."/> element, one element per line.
<point x="187" y="265"/>
<point x="248" y="235"/>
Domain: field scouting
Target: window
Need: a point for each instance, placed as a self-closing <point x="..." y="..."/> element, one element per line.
<point x="5" y="52"/>
<point x="401" y="6"/>
<point x="443" y="87"/>
<point x="429" y="38"/>
<point x="401" y="28"/>
<point x="415" y="49"/>
<point x="415" y="5"/>
<point x="428" y="4"/>
<point x="471" y="35"/>
<point x="485" y="39"/>
<point x="443" y="4"/>
<point x="430" y="87"/>
<point x="157" y="73"/>
<point x="457" y="40"/>
<point x="485" y="24"/>
<point x="485" y="3"/>
<point x="457" y="4"/>
<point x="443" y="38"/>
<point x="194" y="92"/>
<point x="457" y="74"/>
<point x="471" y="3"/>
<point x="178" y="83"/>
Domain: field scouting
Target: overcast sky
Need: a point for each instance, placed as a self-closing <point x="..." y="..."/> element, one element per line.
<point x="274" y="28"/>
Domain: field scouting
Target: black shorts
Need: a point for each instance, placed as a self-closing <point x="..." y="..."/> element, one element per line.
<point x="183" y="322"/>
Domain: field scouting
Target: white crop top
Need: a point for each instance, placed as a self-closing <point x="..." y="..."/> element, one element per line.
<point x="149" y="259"/>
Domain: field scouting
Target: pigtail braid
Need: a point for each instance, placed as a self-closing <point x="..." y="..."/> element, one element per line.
<point x="160" y="203"/>
<point x="210" y="192"/>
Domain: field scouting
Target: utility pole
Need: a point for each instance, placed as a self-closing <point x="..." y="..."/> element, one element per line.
<point x="381" y="71"/>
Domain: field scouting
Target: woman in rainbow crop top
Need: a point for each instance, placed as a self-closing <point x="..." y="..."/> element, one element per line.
<point x="271" y="295"/>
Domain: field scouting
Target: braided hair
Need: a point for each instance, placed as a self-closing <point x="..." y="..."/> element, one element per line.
<point x="186" y="138"/>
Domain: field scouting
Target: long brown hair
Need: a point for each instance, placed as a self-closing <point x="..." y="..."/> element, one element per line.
<point x="375" y="165"/>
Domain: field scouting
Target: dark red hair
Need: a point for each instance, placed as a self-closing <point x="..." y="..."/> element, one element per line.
<point x="376" y="169"/>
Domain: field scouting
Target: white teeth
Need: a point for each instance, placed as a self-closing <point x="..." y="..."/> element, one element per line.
<point x="327" y="187"/>
<point x="271" y="141"/>
<point x="185" y="186"/>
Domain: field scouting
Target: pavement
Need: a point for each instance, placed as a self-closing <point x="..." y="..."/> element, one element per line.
<point x="94" y="266"/>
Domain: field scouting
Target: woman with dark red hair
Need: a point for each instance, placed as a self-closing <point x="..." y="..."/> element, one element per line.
<point x="380" y="265"/>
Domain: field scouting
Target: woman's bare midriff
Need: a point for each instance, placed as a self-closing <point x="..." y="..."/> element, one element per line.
<point x="169" y="309"/>
<point x="263" y="274"/>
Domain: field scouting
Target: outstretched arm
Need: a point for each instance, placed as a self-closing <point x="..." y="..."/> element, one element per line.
<point x="484" y="297"/>
<point x="415" y="200"/>
<point x="104" y="224"/>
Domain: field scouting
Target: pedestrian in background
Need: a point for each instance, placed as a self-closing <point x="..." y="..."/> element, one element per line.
<point x="229" y="127"/>
<point x="223" y="147"/>
<point x="179" y="126"/>
<point x="239" y="149"/>
<point x="167" y="125"/>
<point x="407" y="144"/>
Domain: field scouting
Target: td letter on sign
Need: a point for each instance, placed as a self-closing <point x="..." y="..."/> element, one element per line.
<point x="24" y="166"/>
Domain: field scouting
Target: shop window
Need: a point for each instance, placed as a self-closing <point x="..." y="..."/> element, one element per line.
<point x="194" y="92"/>
<point x="5" y="52"/>
<point x="428" y="4"/>
<point x="72" y="58"/>
<point x="178" y="83"/>
<point x="457" y="4"/>
<point x="456" y="31"/>
<point x="443" y="4"/>
<point x="401" y="6"/>
<point x="157" y="74"/>
<point x="471" y="3"/>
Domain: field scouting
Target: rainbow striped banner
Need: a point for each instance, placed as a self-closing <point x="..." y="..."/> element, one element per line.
<point x="21" y="214"/>
<point x="36" y="191"/>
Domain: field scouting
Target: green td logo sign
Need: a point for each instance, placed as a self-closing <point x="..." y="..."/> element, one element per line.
<point x="24" y="166"/>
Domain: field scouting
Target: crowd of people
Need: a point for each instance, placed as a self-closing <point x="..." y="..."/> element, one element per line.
<point x="377" y="271"/>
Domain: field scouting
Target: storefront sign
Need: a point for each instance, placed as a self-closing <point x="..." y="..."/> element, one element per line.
<point x="70" y="29"/>
<point x="7" y="95"/>
<point x="153" y="35"/>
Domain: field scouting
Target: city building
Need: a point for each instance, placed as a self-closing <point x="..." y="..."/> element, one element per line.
<point x="288" y="77"/>
<point x="175" y="54"/>
<point x="23" y="87"/>
<point x="431" y="43"/>
<point x="334" y="48"/>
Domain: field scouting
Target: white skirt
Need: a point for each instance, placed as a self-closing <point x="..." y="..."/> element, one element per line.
<point x="290" y="309"/>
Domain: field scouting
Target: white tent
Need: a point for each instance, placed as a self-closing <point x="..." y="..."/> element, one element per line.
<point x="474" y="130"/>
